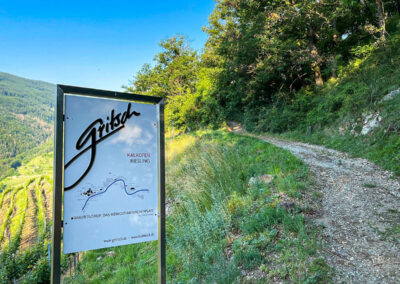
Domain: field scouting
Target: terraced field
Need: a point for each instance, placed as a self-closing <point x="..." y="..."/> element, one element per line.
<point x="25" y="221"/>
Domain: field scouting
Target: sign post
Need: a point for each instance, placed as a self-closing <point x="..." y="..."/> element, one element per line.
<point x="109" y="172"/>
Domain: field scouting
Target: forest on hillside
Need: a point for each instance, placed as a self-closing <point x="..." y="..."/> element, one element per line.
<point x="26" y="116"/>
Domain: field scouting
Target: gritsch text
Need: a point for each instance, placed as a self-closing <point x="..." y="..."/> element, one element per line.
<point x="96" y="132"/>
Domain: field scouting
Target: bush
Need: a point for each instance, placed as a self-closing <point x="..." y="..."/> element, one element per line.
<point x="16" y="165"/>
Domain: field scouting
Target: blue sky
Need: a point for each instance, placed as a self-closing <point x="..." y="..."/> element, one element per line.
<point x="99" y="44"/>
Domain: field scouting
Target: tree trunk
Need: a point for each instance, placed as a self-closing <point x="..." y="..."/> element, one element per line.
<point x="318" y="76"/>
<point x="335" y="43"/>
<point x="380" y="15"/>
<point x="316" y="59"/>
<point x="397" y="4"/>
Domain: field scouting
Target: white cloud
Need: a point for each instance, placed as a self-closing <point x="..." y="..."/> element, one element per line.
<point x="132" y="135"/>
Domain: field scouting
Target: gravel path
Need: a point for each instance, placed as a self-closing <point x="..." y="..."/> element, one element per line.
<point x="360" y="213"/>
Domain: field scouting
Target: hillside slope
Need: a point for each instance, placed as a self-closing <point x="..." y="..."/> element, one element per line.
<point x="26" y="115"/>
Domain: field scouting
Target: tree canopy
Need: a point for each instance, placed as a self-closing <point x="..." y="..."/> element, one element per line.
<point x="261" y="53"/>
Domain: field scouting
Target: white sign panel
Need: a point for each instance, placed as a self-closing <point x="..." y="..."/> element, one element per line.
<point x="110" y="173"/>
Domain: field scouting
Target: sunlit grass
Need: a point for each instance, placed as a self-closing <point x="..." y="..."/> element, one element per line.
<point x="20" y="206"/>
<point x="177" y="146"/>
<point x="8" y="213"/>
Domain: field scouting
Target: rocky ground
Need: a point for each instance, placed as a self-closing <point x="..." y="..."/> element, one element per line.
<point x="360" y="213"/>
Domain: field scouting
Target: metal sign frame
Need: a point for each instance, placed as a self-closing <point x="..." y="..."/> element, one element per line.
<point x="58" y="171"/>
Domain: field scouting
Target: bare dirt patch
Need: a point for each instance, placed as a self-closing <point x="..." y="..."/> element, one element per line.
<point x="29" y="231"/>
<point x="46" y="191"/>
<point x="3" y="211"/>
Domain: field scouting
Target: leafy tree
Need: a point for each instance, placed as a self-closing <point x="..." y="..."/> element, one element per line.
<point x="16" y="164"/>
<point x="174" y="72"/>
<point x="178" y="77"/>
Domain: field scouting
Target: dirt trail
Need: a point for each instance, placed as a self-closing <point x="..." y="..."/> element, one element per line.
<point x="360" y="213"/>
<point x="46" y="191"/>
<point x="29" y="230"/>
<point x="3" y="212"/>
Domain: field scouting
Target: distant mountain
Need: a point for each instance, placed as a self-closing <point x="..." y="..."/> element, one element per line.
<point x="26" y="116"/>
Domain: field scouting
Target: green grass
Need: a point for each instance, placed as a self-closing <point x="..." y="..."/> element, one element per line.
<point x="391" y="230"/>
<point x="369" y="185"/>
<point x="10" y="209"/>
<point x="17" y="222"/>
<point x="219" y="225"/>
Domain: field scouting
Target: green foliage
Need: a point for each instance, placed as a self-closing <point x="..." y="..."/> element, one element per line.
<point x="15" y="165"/>
<point x="301" y="65"/>
<point x="274" y="65"/>
<point x="268" y="50"/>
<point x="8" y="212"/>
<point x="99" y="267"/>
<point x="194" y="110"/>
<point x="27" y="97"/>
<point x="20" y="207"/>
<point x="178" y="77"/>
<point x="183" y="111"/>
<point x="174" y="73"/>
<point x="31" y="266"/>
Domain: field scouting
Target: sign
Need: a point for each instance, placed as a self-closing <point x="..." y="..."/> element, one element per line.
<point x="109" y="178"/>
<point x="110" y="174"/>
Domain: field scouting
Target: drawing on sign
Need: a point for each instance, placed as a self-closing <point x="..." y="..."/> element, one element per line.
<point x="91" y="194"/>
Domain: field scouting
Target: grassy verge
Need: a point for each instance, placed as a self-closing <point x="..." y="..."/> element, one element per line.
<point x="220" y="227"/>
